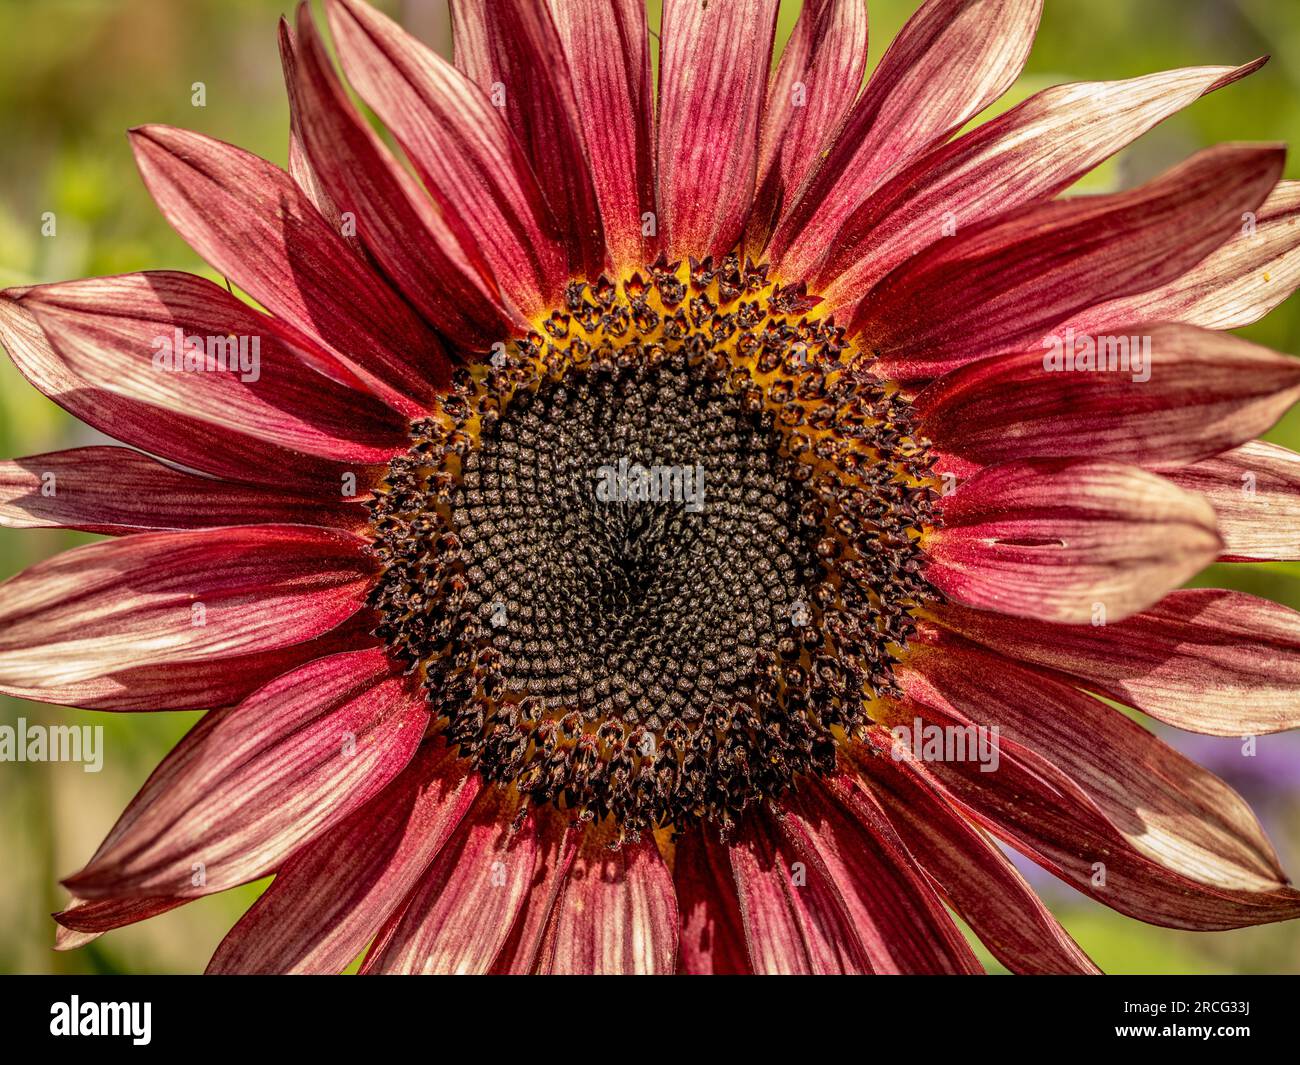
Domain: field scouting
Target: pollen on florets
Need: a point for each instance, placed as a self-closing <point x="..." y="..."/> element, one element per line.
<point x="659" y="647"/>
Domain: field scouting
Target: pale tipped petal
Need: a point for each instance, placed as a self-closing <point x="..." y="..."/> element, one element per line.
<point x="1055" y="540"/>
<point x="170" y="434"/>
<point x="1002" y="286"/>
<point x="1155" y="395"/>
<point x="912" y="102"/>
<point x="1255" y="492"/>
<point x="1082" y="789"/>
<point x="1235" y="285"/>
<point x="176" y="597"/>
<point x="1030" y="153"/>
<point x="181" y="343"/>
<point x="249" y="785"/>
<point x="199" y="684"/>
<point x="1213" y="661"/>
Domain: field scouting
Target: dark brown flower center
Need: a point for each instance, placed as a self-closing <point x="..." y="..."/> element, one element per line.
<point x="654" y="560"/>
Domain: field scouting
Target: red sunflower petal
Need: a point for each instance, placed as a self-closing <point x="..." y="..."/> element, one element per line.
<point x="108" y="607"/>
<point x="460" y="146"/>
<point x="616" y="913"/>
<point x="201" y="684"/>
<point x="974" y="876"/>
<point x="1212" y="661"/>
<point x="1095" y="797"/>
<point x="114" y="490"/>
<point x="1233" y="286"/>
<point x="523" y="62"/>
<point x="713" y="69"/>
<point x="250" y="220"/>
<point x="1053" y="539"/>
<point x="458" y="917"/>
<point x="1255" y="492"/>
<point x="430" y="262"/>
<point x="329" y="899"/>
<point x="911" y="103"/>
<point x="249" y="785"/>
<point x="713" y="931"/>
<point x="1001" y="286"/>
<point x="173" y="435"/>
<point x="1031" y="153"/>
<point x="86" y="920"/>
<point x="557" y="846"/>
<point x="1173" y="394"/>
<point x="111" y="331"/>
<point x="300" y="165"/>
<point x="902" y="926"/>
<point x="816" y="81"/>
<point x="793" y="917"/>
<point x="608" y="49"/>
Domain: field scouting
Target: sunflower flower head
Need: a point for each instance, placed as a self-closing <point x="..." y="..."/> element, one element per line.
<point x="680" y="515"/>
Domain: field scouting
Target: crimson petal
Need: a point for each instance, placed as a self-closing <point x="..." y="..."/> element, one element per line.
<point x="1061" y="540"/>
<point x="616" y="913"/>
<point x="250" y="220"/>
<point x="1001" y="286"/>
<point x="1030" y="153"/>
<point x="816" y="81"/>
<point x="114" y="490"/>
<point x="713" y="65"/>
<point x="844" y="834"/>
<point x="249" y="785"/>
<point x="973" y="875"/>
<point x="433" y="265"/>
<point x="330" y="898"/>
<point x="1172" y="394"/>
<point x="460" y="146"/>
<point x="713" y="931"/>
<point x="155" y="598"/>
<point x="457" y="919"/>
<point x="607" y="44"/>
<point x="911" y="103"/>
<point x="1213" y="661"/>
<point x="524" y="62"/>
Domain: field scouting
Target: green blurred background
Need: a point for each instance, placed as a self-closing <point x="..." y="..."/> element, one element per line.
<point x="75" y="74"/>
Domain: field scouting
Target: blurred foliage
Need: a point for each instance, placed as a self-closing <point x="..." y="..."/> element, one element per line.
<point x="76" y="74"/>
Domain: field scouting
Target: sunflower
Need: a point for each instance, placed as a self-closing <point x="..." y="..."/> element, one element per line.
<point x="679" y="522"/>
